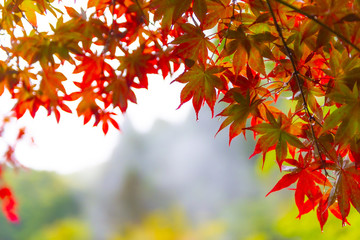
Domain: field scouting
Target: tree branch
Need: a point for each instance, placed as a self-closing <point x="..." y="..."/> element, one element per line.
<point x="297" y="78"/>
<point x="23" y="15"/>
<point x="313" y="18"/>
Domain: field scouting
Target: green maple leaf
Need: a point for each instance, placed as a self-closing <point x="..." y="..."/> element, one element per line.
<point x="347" y="117"/>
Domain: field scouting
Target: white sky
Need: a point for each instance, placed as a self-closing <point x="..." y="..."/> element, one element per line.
<point x="71" y="146"/>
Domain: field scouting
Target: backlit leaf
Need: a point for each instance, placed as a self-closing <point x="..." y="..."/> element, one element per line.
<point x="201" y="84"/>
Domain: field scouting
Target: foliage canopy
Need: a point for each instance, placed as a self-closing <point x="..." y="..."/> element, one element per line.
<point x="249" y="53"/>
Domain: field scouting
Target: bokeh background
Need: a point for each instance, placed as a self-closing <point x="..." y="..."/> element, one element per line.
<point x="175" y="181"/>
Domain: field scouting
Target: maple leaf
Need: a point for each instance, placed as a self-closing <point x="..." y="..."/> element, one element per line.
<point x="11" y="78"/>
<point x="322" y="212"/>
<point x="310" y="93"/>
<point x="30" y="7"/>
<point x="100" y="5"/>
<point x="347" y="116"/>
<point x="355" y="151"/>
<point x="87" y="107"/>
<point x="135" y="17"/>
<point x="201" y="84"/>
<point x="216" y="9"/>
<point x="138" y="64"/>
<point x="238" y="112"/>
<point x="94" y="68"/>
<point x="119" y="93"/>
<point x="239" y="45"/>
<point x="193" y="44"/>
<point x="279" y="133"/>
<point x="27" y="99"/>
<point x="170" y="11"/>
<point x="308" y="177"/>
<point x="165" y="59"/>
<point x="52" y="82"/>
<point x="105" y="117"/>
<point x="346" y="188"/>
<point x="250" y="82"/>
<point x="248" y="48"/>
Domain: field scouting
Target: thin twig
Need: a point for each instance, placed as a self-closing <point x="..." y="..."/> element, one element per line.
<point x="271" y="82"/>
<point x="313" y="18"/>
<point x="231" y="20"/>
<point x="142" y="12"/>
<point x="227" y="31"/>
<point x="213" y="53"/>
<point x="297" y="78"/>
<point x="111" y="31"/>
<point x="196" y="24"/>
<point x="314" y="81"/>
<point x="276" y="90"/>
<point x="23" y="15"/>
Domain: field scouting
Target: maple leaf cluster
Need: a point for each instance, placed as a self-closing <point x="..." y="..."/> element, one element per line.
<point x="249" y="54"/>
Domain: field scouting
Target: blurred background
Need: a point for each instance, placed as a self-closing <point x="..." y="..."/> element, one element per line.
<point x="172" y="181"/>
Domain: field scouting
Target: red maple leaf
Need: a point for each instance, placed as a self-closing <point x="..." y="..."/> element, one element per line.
<point x="201" y="84"/>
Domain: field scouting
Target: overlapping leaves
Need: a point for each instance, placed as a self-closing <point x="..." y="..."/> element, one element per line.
<point x="201" y="85"/>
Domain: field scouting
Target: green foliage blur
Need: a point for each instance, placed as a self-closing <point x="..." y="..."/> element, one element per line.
<point x="308" y="227"/>
<point x="50" y="210"/>
<point x="43" y="199"/>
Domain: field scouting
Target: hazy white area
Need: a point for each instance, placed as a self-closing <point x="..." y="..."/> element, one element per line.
<point x="70" y="146"/>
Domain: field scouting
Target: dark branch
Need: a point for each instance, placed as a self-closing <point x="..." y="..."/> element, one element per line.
<point x="313" y="18"/>
<point x="297" y="78"/>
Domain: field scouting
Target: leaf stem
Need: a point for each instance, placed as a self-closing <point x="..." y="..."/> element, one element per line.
<point x="271" y="82"/>
<point x="23" y="15"/>
<point x="297" y="78"/>
<point x="196" y="24"/>
<point x="142" y="12"/>
<point x="213" y="53"/>
<point x="111" y="31"/>
<point x="276" y="90"/>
